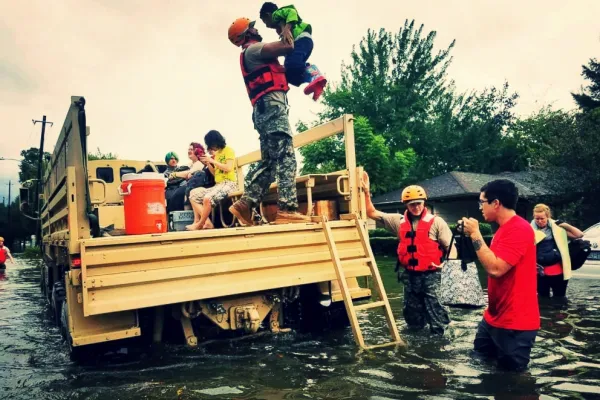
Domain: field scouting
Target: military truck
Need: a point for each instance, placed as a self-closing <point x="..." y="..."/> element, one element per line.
<point x="104" y="286"/>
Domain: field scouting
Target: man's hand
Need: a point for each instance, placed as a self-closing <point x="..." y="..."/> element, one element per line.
<point x="470" y="227"/>
<point x="366" y="184"/>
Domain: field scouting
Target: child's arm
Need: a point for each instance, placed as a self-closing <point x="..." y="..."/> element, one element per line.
<point x="286" y="17"/>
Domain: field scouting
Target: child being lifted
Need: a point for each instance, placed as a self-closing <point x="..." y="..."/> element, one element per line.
<point x="292" y="29"/>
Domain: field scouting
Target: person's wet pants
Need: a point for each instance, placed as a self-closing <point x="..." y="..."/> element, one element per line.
<point x="555" y="282"/>
<point x="512" y="348"/>
<point x="421" y="303"/>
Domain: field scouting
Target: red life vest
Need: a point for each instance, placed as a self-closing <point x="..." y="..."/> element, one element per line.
<point x="269" y="77"/>
<point x="2" y="255"/>
<point x="416" y="250"/>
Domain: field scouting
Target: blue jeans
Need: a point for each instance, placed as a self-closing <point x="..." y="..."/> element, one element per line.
<point x="295" y="62"/>
<point x="510" y="347"/>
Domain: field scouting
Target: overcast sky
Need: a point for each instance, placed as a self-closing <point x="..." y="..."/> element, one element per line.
<point x="159" y="74"/>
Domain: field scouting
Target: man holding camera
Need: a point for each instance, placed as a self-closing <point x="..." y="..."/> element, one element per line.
<point x="510" y="323"/>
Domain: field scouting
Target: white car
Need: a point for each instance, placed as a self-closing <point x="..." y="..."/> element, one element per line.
<point x="591" y="268"/>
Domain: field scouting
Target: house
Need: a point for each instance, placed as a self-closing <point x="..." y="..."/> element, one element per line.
<point x="455" y="194"/>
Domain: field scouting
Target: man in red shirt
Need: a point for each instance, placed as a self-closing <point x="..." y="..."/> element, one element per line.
<point x="512" y="319"/>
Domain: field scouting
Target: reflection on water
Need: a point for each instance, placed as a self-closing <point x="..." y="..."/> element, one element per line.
<point x="34" y="362"/>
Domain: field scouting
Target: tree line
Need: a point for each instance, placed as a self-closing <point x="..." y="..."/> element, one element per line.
<point x="411" y="123"/>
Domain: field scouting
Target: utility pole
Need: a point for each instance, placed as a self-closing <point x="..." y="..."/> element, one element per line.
<point x="39" y="175"/>
<point x="8" y="208"/>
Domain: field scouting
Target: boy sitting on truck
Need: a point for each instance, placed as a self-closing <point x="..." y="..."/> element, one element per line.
<point x="221" y="165"/>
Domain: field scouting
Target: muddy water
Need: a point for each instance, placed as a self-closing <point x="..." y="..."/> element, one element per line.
<point x="565" y="362"/>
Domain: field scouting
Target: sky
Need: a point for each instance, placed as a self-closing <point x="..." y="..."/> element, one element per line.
<point x="157" y="75"/>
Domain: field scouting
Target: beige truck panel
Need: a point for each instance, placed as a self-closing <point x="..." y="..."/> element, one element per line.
<point x="127" y="273"/>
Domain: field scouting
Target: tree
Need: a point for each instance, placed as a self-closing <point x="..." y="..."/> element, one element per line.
<point x="394" y="80"/>
<point x="98" y="155"/>
<point x="385" y="167"/>
<point x="28" y="169"/>
<point x="398" y="83"/>
<point x="589" y="98"/>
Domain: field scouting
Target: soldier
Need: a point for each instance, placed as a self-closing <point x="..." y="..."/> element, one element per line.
<point x="424" y="240"/>
<point x="267" y="86"/>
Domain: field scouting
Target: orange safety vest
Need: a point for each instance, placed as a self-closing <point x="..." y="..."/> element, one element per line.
<point x="416" y="251"/>
<point x="269" y="77"/>
<point x="3" y="255"/>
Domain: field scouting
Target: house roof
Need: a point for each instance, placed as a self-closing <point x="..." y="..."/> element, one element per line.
<point x="458" y="184"/>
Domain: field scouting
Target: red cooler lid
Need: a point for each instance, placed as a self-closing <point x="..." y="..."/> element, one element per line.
<point x="146" y="176"/>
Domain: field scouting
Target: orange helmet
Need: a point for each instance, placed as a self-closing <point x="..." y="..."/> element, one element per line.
<point x="238" y="29"/>
<point x="413" y="193"/>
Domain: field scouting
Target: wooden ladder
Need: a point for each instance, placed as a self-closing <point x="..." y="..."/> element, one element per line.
<point x="350" y="307"/>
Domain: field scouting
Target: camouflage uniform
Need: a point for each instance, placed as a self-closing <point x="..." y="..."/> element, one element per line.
<point x="421" y="303"/>
<point x="270" y="119"/>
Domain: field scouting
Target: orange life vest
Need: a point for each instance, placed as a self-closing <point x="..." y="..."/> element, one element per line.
<point x="2" y="255"/>
<point x="269" y="77"/>
<point x="416" y="251"/>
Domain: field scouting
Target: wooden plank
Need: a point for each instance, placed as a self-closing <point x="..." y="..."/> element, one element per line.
<point x="341" y="277"/>
<point x="367" y="306"/>
<point x="389" y="316"/>
<point x="312" y="135"/>
<point x="348" y="126"/>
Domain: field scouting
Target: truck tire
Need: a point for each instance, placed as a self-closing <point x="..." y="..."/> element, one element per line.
<point x="58" y="298"/>
<point x="75" y="353"/>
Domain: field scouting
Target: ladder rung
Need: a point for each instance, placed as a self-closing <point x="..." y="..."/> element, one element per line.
<point x="354" y="260"/>
<point x="376" y="346"/>
<point x="369" y="305"/>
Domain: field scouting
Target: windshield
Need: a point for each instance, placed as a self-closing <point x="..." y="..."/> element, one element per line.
<point x="592" y="232"/>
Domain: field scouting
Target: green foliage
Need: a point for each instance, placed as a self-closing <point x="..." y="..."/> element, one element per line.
<point x="98" y="155"/>
<point x="380" y="232"/>
<point x="410" y="122"/>
<point x="32" y="252"/>
<point x="28" y="169"/>
<point x="384" y="166"/>
<point x="384" y="245"/>
<point x="589" y="98"/>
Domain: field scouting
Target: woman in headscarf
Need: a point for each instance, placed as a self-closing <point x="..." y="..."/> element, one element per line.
<point x="554" y="262"/>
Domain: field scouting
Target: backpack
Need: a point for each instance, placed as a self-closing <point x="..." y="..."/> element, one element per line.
<point x="579" y="251"/>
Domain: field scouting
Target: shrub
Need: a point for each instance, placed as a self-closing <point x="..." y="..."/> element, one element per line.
<point x="384" y="245"/>
<point x="380" y="233"/>
<point x="32" y="252"/>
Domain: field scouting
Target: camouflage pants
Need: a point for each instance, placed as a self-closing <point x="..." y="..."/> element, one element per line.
<point x="278" y="157"/>
<point x="421" y="303"/>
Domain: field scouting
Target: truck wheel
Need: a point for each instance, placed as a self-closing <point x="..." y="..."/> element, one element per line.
<point x="58" y="298"/>
<point x="44" y="280"/>
<point x="75" y="353"/>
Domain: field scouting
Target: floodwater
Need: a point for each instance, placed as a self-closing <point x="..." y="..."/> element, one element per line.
<point x="34" y="363"/>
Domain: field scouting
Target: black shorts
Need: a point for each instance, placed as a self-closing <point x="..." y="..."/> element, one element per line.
<point x="2" y="266"/>
<point x="510" y="347"/>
